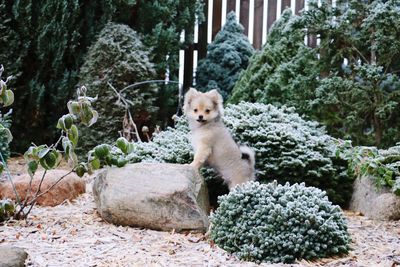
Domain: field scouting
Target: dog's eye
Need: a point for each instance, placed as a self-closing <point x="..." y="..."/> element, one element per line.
<point x="207" y="111"/>
<point x="195" y="110"/>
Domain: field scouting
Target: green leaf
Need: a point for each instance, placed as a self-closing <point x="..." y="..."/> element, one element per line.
<point x="8" y="98"/>
<point x="80" y="170"/>
<point x="5" y="131"/>
<point x="95" y="164"/>
<point x="122" y="144"/>
<point x="101" y="151"/>
<point x="43" y="152"/>
<point x="32" y="167"/>
<point x="73" y="135"/>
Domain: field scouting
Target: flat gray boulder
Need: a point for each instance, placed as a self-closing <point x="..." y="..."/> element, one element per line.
<point x="12" y="256"/>
<point x="373" y="202"/>
<point x="156" y="196"/>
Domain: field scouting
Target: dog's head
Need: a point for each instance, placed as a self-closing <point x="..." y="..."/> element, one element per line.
<point x="203" y="107"/>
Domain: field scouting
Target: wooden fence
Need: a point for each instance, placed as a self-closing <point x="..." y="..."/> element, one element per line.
<point x="256" y="16"/>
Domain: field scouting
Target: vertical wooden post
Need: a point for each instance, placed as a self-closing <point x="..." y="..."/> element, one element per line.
<point x="188" y="63"/>
<point x="216" y="21"/>
<point x="244" y="15"/>
<point x="298" y="6"/>
<point x="230" y="6"/>
<point x="285" y="4"/>
<point x="271" y="13"/>
<point x="258" y="23"/>
<point x="202" y="40"/>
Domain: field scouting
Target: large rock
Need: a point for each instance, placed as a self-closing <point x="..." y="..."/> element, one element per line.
<point x="12" y="257"/>
<point x="69" y="187"/>
<point x="154" y="196"/>
<point x="373" y="202"/>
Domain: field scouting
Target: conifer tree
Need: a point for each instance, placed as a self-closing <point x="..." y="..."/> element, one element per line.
<point x="42" y="45"/>
<point x="117" y="57"/>
<point x="227" y="56"/>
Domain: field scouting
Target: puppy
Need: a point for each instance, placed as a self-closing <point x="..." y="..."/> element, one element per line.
<point x="211" y="140"/>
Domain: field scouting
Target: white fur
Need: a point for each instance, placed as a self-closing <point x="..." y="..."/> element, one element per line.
<point x="211" y="140"/>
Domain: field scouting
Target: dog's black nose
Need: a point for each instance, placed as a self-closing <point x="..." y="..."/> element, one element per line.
<point x="200" y="117"/>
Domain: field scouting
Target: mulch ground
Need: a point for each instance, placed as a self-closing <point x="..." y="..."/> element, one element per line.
<point x="73" y="234"/>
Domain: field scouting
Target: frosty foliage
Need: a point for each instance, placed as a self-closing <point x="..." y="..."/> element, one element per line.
<point x="227" y="56"/>
<point x="348" y="81"/>
<point x="288" y="148"/>
<point x="171" y="146"/>
<point x="118" y="57"/>
<point x="279" y="223"/>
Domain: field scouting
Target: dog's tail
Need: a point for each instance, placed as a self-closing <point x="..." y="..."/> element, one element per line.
<point x="249" y="155"/>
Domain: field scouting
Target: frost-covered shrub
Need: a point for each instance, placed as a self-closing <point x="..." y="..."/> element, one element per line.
<point x="227" y="56"/>
<point x="289" y="148"/>
<point x="169" y="146"/>
<point x="118" y="57"/>
<point x="279" y="223"/>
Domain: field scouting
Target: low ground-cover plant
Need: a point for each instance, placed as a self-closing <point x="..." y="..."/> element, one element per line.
<point x="288" y="148"/>
<point x="382" y="165"/>
<point x="279" y="223"/>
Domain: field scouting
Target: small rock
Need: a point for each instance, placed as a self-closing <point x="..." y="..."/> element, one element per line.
<point x="373" y="202"/>
<point x="69" y="187"/>
<point x="12" y="256"/>
<point x="155" y="196"/>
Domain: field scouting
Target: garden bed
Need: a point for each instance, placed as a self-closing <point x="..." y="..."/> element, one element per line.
<point x="73" y="234"/>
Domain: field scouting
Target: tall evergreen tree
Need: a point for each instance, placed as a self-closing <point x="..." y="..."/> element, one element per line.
<point x="227" y="56"/>
<point x="117" y="57"/>
<point x="42" y="44"/>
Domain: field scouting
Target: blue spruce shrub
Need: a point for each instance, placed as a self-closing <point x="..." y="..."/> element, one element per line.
<point x="227" y="56"/>
<point x="279" y="223"/>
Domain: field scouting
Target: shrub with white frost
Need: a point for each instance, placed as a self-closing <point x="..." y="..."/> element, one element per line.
<point x="279" y="223"/>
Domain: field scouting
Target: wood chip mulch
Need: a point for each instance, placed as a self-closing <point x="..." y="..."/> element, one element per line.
<point x="73" y="234"/>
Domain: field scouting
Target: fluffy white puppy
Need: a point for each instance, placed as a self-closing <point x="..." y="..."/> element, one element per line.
<point x="211" y="140"/>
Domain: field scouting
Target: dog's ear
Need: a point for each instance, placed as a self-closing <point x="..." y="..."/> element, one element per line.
<point x="188" y="98"/>
<point x="217" y="99"/>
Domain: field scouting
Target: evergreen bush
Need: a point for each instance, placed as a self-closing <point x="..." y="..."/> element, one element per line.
<point x="349" y="81"/>
<point x="227" y="56"/>
<point x="42" y="45"/>
<point x="279" y="223"/>
<point x="290" y="149"/>
<point x="117" y="57"/>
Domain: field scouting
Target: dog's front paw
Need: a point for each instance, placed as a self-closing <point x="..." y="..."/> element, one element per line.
<point x="194" y="165"/>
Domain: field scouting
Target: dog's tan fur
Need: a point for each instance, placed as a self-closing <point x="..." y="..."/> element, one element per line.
<point x="211" y="140"/>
